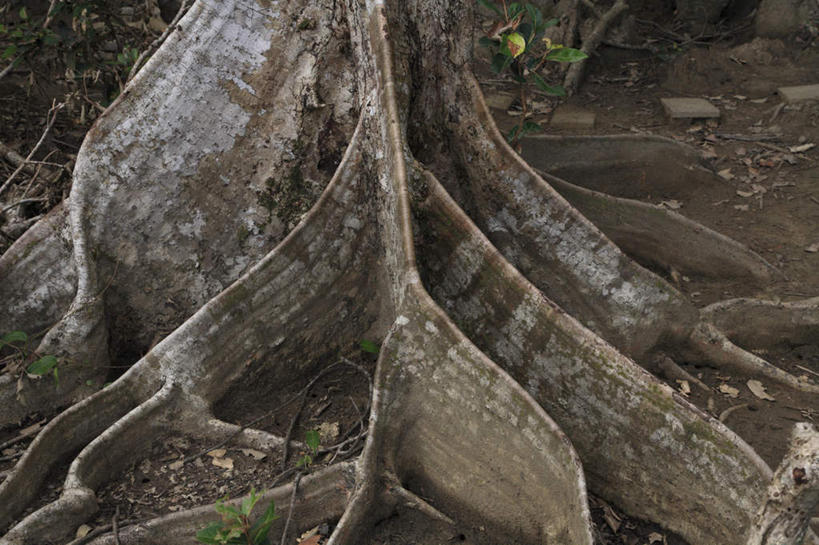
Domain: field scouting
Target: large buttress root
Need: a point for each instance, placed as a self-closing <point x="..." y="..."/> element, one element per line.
<point x="488" y="350"/>
<point x="595" y="394"/>
<point x="626" y="304"/>
<point x="212" y="113"/>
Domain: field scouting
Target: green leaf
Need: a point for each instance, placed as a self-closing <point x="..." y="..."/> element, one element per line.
<point x="485" y="41"/>
<point x="566" y="54"/>
<point x="312" y="438"/>
<point x="9" y="51"/>
<point x="500" y="62"/>
<point x="13" y="336"/>
<point x="209" y="533"/>
<point x="228" y="511"/>
<point x="535" y="15"/>
<point x="529" y="127"/>
<point x="42" y="366"/>
<point x="249" y="501"/>
<point x="554" y="90"/>
<point x="305" y="461"/>
<point x="548" y="24"/>
<point x="23" y="14"/>
<point x="515" y="43"/>
<point x="490" y="5"/>
<point x="511" y="135"/>
<point x="369" y="346"/>
<point x="526" y="31"/>
<point x="258" y="532"/>
<point x="514" y="9"/>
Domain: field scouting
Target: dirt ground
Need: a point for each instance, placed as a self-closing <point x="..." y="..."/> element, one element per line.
<point x="765" y="195"/>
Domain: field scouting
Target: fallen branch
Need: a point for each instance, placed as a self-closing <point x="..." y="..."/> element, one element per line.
<point x="292" y="506"/>
<point x="575" y="73"/>
<point x="156" y="43"/>
<point x="52" y="118"/>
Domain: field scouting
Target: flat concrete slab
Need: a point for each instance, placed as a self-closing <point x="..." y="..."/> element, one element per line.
<point x="572" y="118"/>
<point x="689" y="108"/>
<point x="799" y="93"/>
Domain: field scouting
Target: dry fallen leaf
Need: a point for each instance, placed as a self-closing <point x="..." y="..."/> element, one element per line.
<point x="176" y="465"/>
<point x="312" y="540"/>
<point x="725" y="174"/>
<point x="685" y="388"/>
<point x="257" y="454"/>
<point x="217" y="453"/>
<point x="224" y="463"/>
<point x="800" y="149"/>
<point x="655" y="537"/>
<point x="671" y="204"/>
<point x="742" y="207"/>
<point x="745" y="194"/>
<point x="730" y="391"/>
<point x="758" y="390"/>
<point x="813" y="248"/>
<point x="82" y="531"/>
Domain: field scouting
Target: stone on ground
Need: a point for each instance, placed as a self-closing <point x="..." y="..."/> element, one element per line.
<point x="799" y="93"/>
<point x="572" y="118"/>
<point x="689" y="108"/>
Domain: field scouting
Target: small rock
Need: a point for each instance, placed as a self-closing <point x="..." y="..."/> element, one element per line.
<point x="799" y="93"/>
<point x="689" y="108"/>
<point x="572" y="118"/>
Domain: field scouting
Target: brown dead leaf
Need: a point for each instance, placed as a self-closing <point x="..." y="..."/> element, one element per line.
<point x="730" y="391"/>
<point x="177" y="465"/>
<point x="685" y="388"/>
<point x="813" y="248"/>
<point x="611" y="518"/>
<point x="82" y="531"/>
<point x="312" y="540"/>
<point x="758" y="390"/>
<point x="655" y="537"/>
<point x="742" y="207"/>
<point x="745" y="194"/>
<point x="256" y="454"/>
<point x="725" y="174"/>
<point x="217" y="453"/>
<point x="671" y="204"/>
<point x="224" y="463"/>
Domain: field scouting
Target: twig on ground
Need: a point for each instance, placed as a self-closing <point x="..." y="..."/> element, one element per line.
<point x="20" y="202"/>
<point x="723" y="416"/>
<point x="289" y="435"/>
<point x="156" y="43"/>
<point x="575" y="72"/>
<point x="115" y="525"/>
<point x="292" y="508"/>
<point x="55" y="109"/>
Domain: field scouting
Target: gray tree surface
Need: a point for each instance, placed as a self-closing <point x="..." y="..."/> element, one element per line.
<point x="284" y="178"/>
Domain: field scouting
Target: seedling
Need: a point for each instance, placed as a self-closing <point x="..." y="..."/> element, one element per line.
<point x="313" y="439"/>
<point x="518" y="46"/>
<point x="235" y="527"/>
<point x="17" y="341"/>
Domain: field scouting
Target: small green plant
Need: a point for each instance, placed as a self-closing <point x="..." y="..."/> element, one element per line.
<point x="18" y="341"/>
<point x="313" y="439"/>
<point x="518" y="46"/>
<point x="235" y="527"/>
<point x="368" y="346"/>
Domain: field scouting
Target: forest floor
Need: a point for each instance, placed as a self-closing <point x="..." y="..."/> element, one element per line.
<point x="765" y="196"/>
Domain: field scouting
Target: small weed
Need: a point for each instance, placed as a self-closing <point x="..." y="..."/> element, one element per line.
<point x="235" y="527"/>
<point x="312" y="438"/>
<point x="18" y="342"/>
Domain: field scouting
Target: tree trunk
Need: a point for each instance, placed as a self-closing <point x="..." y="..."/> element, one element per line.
<point x="283" y="179"/>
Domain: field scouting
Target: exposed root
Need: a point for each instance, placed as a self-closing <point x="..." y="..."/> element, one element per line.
<point x="64" y="435"/>
<point x="793" y="496"/>
<point x="322" y="497"/>
<point x="657" y="237"/>
<point x="669" y="369"/>
<point x="709" y="344"/>
<point x="590" y="389"/>
<point x="106" y="455"/>
<point x="413" y="501"/>
<point x="757" y="323"/>
<point x="591" y="42"/>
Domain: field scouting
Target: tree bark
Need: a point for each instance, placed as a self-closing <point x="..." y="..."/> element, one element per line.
<point x="280" y="181"/>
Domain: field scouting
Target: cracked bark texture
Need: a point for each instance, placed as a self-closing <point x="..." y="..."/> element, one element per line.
<point x="283" y="178"/>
